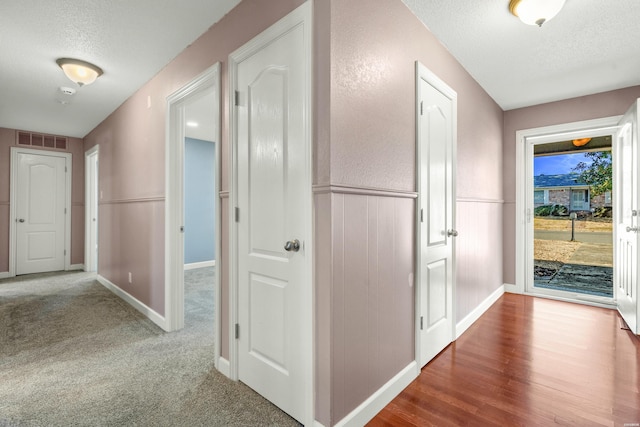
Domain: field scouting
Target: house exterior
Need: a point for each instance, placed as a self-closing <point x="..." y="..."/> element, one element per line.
<point x="364" y="185"/>
<point x="568" y="191"/>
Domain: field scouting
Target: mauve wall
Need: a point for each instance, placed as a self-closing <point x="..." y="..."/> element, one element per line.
<point x="365" y="141"/>
<point x="74" y="146"/>
<point x="132" y="161"/>
<point x="596" y="106"/>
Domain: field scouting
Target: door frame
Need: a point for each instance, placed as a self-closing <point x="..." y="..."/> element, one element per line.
<point x="427" y="75"/>
<point x="299" y="16"/>
<point x="525" y="139"/>
<point x="174" y="204"/>
<point x="88" y="196"/>
<point x="13" y="199"/>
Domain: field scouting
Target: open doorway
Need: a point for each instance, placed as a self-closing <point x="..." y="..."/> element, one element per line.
<point x="192" y="212"/>
<point x="572" y="218"/>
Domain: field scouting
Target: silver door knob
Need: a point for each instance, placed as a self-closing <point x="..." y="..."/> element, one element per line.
<point x="452" y="233"/>
<point x="630" y="229"/>
<point x="292" y="245"/>
<point x="21" y="220"/>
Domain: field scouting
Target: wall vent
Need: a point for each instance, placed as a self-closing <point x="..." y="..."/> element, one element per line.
<point x="41" y="140"/>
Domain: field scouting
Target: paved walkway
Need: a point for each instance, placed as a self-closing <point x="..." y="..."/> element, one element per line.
<point x="579" y="236"/>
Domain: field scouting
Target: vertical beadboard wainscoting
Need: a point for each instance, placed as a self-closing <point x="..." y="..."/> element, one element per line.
<point x="131" y="252"/>
<point x="364" y="274"/>
<point x="478" y="258"/>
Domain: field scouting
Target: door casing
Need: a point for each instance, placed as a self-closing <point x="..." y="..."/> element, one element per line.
<point x="91" y="197"/>
<point x="525" y="140"/>
<point x="13" y="201"/>
<point x="301" y="14"/>
<point x="209" y="80"/>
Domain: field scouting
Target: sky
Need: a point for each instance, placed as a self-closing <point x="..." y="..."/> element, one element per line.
<point x="559" y="164"/>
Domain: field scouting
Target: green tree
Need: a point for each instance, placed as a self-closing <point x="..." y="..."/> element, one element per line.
<point x="597" y="173"/>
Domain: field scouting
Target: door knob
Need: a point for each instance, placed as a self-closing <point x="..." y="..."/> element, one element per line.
<point x="292" y="245"/>
<point x="452" y="233"/>
<point x="21" y="220"/>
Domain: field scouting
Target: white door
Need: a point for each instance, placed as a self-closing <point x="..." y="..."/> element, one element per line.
<point x="626" y="217"/>
<point x="579" y="200"/>
<point x="40" y="213"/>
<point x="91" y="210"/>
<point x="274" y="218"/>
<point x="436" y="112"/>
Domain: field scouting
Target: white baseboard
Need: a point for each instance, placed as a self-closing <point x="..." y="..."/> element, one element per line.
<point x="5" y="274"/>
<point x="203" y="264"/>
<point x="511" y="288"/>
<point x="132" y="301"/>
<point x="317" y="424"/>
<point x="76" y="267"/>
<point x="381" y="398"/>
<point x="470" y="318"/>
<point x="224" y="367"/>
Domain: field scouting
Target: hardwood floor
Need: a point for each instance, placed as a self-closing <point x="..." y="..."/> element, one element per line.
<point x="527" y="362"/>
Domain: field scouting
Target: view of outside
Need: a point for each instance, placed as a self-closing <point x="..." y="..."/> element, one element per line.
<point x="573" y="245"/>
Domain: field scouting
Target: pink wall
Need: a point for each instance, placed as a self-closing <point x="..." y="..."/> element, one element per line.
<point x="132" y="160"/>
<point x="74" y="146"/>
<point x="365" y="139"/>
<point x="596" y="106"/>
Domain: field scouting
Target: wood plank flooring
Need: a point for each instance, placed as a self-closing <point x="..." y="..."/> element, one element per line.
<point x="528" y="362"/>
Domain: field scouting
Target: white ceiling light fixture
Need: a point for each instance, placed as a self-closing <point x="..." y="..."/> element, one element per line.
<point x="535" y="12"/>
<point x="80" y="72"/>
<point x="192" y="124"/>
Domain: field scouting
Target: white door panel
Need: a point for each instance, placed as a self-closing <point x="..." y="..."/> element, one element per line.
<point x="436" y="144"/>
<point x="273" y="189"/>
<point x="626" y="208"/>
<point x="40" y="213"/>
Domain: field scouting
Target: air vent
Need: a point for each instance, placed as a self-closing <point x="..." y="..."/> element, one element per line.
<point x="41" y="140"/>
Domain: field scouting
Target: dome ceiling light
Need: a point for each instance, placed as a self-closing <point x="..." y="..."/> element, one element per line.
<point x="80" y="72"/>
<point x="535" y="12"/>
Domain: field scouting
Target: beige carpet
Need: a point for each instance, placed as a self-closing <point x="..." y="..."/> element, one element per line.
<point x="74" y="354"/>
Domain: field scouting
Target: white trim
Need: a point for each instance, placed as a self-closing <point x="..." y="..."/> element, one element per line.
<point x="525" y="139"/>
<point x="317" y="424"/>
<point x="422" y="73"/>
<point x="93" y="151"/>
<point x="381" y="398"/>
<point x="510" y="288"/>
<point x="76" y="267"/>
<point x="5" y="275"/>
<point x="470" y="318"/>
<point x="209" y="80"/>
<point x="13" y="197"/>
<point x="302" y="15"/>
<point x="133" y="302"/>
<point x="202" y="264"/>
<point x="224" y="367"/>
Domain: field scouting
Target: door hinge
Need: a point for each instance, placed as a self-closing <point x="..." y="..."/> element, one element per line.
<point x="421" y="108"/>
<point x="65" y="252"/>
<point x="237" y="98"/>
<point x="65" y="169"/>
<point x="237" y="214"/>
<point x="237" y="330"/>
<point x="421" y="323"/>
<point x="421" y="215"/>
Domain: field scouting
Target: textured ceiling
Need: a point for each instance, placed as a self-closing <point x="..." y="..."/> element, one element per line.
<point x="131" y="40"/>
<point x="591" y="46"/>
